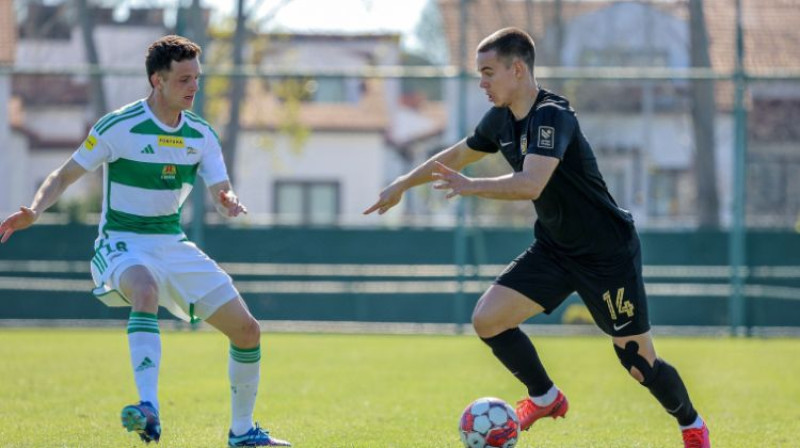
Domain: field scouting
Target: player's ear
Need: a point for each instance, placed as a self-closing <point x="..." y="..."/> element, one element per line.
<point x="158" y="79"/>
<point x="154" y="80"/>
<point x="519" y="68"/>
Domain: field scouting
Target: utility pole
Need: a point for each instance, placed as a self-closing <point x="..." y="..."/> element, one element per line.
<point x="738" y="231"/>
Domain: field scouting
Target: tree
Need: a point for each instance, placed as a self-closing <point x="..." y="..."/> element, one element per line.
<point x="703" y="110"/>
<point x="98" y="93"/>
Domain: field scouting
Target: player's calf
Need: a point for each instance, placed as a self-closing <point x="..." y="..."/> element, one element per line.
<point x="662" y="380"/>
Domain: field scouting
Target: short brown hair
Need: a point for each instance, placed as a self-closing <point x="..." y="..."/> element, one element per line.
<point x="509" y="43"/>
<point x="170" y="48"/>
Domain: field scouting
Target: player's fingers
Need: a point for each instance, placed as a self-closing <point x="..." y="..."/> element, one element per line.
<point x="374" y="207"/>
<point x="6" y="235"/>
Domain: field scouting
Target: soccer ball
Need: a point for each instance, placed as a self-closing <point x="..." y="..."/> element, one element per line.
<point x="489" y="423"/>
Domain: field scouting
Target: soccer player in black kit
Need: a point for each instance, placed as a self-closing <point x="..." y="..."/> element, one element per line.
<point x="584" y="242"/>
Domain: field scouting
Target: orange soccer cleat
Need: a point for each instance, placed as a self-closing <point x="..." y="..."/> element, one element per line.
<point x="528" y="411"/>
<point x="696" y="437"/>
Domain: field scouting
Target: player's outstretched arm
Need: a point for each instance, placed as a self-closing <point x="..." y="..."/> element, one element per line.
<point x="526" y="184"/>
<point x="455" y="157"/>
<point x="225" y="200"/>
<point x="48" y="194"/>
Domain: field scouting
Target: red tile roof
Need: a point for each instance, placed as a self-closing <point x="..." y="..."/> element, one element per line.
<point x="771" y="27"/>
<point x="262" y="110"/>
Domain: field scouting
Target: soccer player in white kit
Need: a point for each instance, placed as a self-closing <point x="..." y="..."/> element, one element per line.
<point x="151" y="152"/>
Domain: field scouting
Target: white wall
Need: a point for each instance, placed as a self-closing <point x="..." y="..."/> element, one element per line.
<point x="119" y="47"/>
<point x="356" y="161"/>
<point x="57" y="122"/>
<point x="7" y="152"/>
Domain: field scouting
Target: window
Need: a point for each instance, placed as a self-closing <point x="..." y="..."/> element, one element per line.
<point x="663" y="198"/>
<point x="306" y="202"/>
<point x="767" y="186"/>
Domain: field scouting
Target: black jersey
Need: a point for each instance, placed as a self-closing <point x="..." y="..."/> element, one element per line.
<point x="576" y="214"/>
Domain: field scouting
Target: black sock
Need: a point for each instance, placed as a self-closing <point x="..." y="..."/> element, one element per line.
<point x="668" y="388"/>
<point x="514" y="349"/>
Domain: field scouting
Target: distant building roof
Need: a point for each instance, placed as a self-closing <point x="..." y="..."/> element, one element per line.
<point x="366" y="109"/>
<point x="263" y="110"/>
<point x="770" y="26"/>
<point x="8" y="31"/>
<point x="56" y="21"/>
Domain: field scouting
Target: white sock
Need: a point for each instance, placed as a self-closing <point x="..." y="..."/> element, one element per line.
<point x="546" y="399"/>
<point x="144" y="341"/>
<point x="698" y="423"/>
<point x="244" y="367"/>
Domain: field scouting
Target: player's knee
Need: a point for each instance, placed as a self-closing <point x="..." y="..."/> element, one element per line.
<point x="144" y="296"/>
<point x="485" y="326"/>
<point x="250" y="334"/>
<point x="636" y="365"/>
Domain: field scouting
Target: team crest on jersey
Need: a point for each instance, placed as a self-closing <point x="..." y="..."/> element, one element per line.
<point x="90" y="142"/>
<point x="171" y="141"/>
<point x="523" y="144"/>
<point x="547" y="137"/>
<point x="169" y="172"/>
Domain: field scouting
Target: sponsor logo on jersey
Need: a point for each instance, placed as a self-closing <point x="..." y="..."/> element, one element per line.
<point x="90" y="142"/>
<point x="171" y="141"/>
<point x="547" y="137"/>
<point x="190" y="151"/>
<point x="148" y="150"/>
<point x="169" y="172"/>
<point x="523" y="144"/>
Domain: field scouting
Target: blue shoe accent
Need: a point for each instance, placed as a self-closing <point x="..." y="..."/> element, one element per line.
<point x="255" y="437"/>
<point x="143" y="419"/>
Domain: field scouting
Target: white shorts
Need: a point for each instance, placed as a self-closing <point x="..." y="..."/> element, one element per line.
<point x="190" y="284"/>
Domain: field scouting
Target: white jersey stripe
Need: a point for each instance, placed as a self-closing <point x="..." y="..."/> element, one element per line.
<point x="138" y="201"/>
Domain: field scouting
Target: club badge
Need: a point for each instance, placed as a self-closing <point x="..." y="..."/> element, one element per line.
<point x="547" y="137"/>
<point x="523" y="144"/>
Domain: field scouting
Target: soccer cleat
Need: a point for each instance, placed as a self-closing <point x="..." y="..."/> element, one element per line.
<point x="696" y="437"/>
<point x="143" y="419"/>
<point x="257" y="436"/>
<point x="528" y="411"/>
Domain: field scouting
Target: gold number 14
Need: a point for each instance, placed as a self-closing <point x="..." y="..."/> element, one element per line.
<point x="623" y="306"/>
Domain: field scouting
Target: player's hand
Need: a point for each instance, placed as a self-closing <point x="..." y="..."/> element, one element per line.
<point x="449" y="179"/>
<point x="388" y="198"/>
<point x="22" y="219"/>
<point x="231" y="203"/>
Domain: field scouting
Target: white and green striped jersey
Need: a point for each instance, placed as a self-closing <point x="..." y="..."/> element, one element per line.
<point x="150" y="168"/>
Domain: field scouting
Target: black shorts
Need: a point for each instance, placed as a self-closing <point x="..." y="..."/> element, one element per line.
<point x="613" y="290"/>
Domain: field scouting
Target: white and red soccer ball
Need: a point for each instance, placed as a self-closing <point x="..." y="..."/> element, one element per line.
<point x="489" y="423"/>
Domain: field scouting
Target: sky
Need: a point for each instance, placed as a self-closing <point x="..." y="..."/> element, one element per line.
<point x="341" y="16"/>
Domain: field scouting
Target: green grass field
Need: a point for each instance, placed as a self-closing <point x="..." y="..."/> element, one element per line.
<point x="64" y="388"/>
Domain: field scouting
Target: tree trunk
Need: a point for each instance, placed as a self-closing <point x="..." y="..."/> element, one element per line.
<point x="231" y="137"/>
<point x="97" y="92"/>
<point x="703" y="111"/>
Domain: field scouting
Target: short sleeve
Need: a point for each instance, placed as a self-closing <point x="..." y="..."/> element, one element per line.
<point x="482" y="139"/>
<point x="551" y="131"/>
<point x="212" y="166"/>
<point x="93" y="152"/>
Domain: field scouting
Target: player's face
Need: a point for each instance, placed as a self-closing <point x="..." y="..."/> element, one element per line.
<point x="497" y="80"/>
<point x="180" y="84"/>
